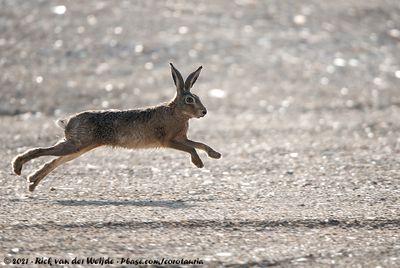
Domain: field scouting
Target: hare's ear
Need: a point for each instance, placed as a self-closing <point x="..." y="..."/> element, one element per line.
<point x="191" y="79"/>
<point x="178" y="80"/>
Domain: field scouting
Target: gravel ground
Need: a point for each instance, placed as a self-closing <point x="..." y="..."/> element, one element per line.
<point x="304" y="105"/>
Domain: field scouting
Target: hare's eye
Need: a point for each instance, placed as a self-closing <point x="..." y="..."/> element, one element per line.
<point x="189" y="100"/>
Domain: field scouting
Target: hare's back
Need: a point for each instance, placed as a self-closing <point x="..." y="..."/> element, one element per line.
<point x="128" y="128"/>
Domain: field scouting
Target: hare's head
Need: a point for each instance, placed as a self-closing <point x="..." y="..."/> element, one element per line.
<point x="186" y="101"/>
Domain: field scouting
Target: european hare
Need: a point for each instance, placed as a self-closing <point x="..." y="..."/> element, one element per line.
<point x="165" y="125"/>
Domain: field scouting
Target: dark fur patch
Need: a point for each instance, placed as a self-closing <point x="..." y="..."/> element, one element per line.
<point x="103" y="126"/>
<point x="160" y="132"/>
<point x="105" y="123"/>
<point x="142" y="116"/>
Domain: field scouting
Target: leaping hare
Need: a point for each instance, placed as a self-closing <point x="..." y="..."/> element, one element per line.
<point x="164" y="125"/>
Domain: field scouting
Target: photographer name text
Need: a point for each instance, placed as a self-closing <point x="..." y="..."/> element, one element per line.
<point x="50" y="261"/>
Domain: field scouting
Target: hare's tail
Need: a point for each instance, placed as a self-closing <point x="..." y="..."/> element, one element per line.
<point x="62" y="123"/>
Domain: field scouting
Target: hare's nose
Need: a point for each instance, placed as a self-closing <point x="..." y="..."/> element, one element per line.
<point x="204" y="112"/>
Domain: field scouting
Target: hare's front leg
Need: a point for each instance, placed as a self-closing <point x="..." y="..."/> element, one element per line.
<point x="186" y="148"/>
<point x="201" y="146"/>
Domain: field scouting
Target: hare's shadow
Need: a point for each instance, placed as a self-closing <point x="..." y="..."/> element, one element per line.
<point x="177" y="204"/>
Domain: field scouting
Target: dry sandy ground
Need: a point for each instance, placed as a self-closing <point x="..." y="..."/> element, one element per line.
<point x="304" y="104"/>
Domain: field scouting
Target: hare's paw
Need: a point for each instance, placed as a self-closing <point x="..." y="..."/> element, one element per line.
<point x="17" y="165"/>
<point x="33" y="181"/>
<point x="214" y="154"/>
<point x="32" y="186"/>
<point x="197" y="161"/>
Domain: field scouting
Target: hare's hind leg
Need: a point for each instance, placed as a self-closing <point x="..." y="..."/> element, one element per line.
<point x="61" y="148"/>
<point x="39" y="174"/>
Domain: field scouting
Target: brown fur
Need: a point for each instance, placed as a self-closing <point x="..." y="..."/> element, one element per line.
<point x="165" y="125"/>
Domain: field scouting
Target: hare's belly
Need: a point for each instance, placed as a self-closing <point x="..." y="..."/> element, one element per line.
<point x="137" y="139"/>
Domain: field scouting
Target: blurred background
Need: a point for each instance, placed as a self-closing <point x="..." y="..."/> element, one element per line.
<point x="61" y="57"/>
<point x="304" y="104"/>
